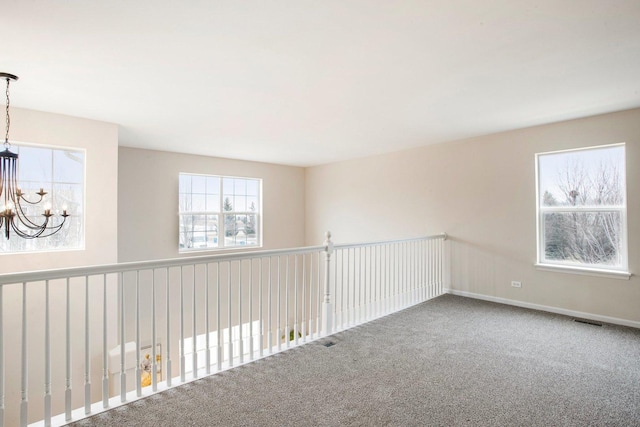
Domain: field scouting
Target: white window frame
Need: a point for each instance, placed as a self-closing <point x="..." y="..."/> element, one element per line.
<point x="221" y="216"/>
<point x="620" y="271"/>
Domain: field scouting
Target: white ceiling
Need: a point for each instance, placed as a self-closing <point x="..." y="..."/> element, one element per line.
<point x="311" y="82"/>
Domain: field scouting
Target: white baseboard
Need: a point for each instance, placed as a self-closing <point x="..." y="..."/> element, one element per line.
<point x="557" y="310"/>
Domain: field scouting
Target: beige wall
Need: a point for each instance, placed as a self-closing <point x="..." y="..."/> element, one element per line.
<point x="482" y="192"/>
<point x="148" y="201"/>
<point x="100" y="140"/>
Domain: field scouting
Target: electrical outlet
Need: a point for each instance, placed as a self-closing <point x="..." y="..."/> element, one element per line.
<point x="515" y="284"/>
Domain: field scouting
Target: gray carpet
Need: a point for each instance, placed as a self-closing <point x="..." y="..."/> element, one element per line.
<point x="451" y="361"/>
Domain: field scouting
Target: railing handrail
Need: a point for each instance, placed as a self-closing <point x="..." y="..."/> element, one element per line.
<point x="62" y="273"/>
<point x="387" y="242"/>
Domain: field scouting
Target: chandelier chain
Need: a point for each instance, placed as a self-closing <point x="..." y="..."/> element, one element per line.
<point x="6" y="137"/>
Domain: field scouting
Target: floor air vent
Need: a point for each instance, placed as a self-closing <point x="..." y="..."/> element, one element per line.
<point x="329" y="344"/>
<point x="588" y="322"/>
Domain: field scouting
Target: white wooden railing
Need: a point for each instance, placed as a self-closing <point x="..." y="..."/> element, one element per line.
<point x="64" y="331"/>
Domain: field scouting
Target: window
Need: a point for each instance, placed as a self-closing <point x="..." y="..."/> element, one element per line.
<point x="581" y="204"/>
<point x="219" y="212"/>
<point x="60" y="172"/>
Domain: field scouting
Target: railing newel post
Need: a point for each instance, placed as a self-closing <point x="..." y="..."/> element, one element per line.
<point x="327" y="309"/>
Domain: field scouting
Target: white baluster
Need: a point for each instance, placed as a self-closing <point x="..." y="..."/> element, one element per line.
<point x="398" y="275"/>
<point x="390" y="277"/>
<point x="372" y="282"/>
<point x="168" y="332"/>
<point x="343" y="287"/>
<point x="420" y="265"/>
<point x="154" y="338"/>
<point x="336" y="294"/>
<point x="105" y="352"/>
<point x="24" y="401"/>
<point x="404" y="275"/>
<point x="295" y="301"/>
<point x="412" y="269"/>
<point x="440" y="261"/>
<point x="319" y="298"/>
<point x="47" y="358"/>
<point x="260" y="312"/>
<point x="425" y="280"/>
<point x="123" y="374"/>
<point x="207" y="356"/>
<point x="138" y="357"/>
<point x="67" y="381"/>
<point x="380" y="279"/>
<point x="376" y="282"/>
<point x="432" y="268"/>
<point x="419" y="271"/>
<point x="367" y="282"/>
<point x="87" y="349"/>
<point x="434" y="291"/>
<point x="194" y="335"/>
<point x="269" y="311"/>
<point x="230" y="349"/>
<point x="421" y="260"/>
<point x="220" y="352"/>
<point x="278" y="320"/>
<point x="286" y="302"/>
<point x="251" y="309"/>
<point x="240" y="337"/>
<point x="385" y="292"/>
<point x="347" y="288"/>
<point x="304" y="298"/>
<point x="182" y="356"/>
<point x="360" y="287"/>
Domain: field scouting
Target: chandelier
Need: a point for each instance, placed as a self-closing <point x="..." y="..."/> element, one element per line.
<point x="14" y="213"/>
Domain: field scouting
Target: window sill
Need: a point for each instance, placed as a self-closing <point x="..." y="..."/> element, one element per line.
<point x="611" y="274"/>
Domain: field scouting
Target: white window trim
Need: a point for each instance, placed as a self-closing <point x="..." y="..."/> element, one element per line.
<point x="221" y="214"/>
<point x="621" y="272"/>
<point x="583" y="271"/>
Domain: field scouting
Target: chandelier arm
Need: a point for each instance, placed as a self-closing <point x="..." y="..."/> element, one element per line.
<point x="40" y="233"/>
<point x="41" y="227"/>
<point x="51" y="233"/>
<point x="31" y="203"/>
<point x="24" y="219"/>
<point x="24" y="234"/>
<point x="16" y="230"/>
